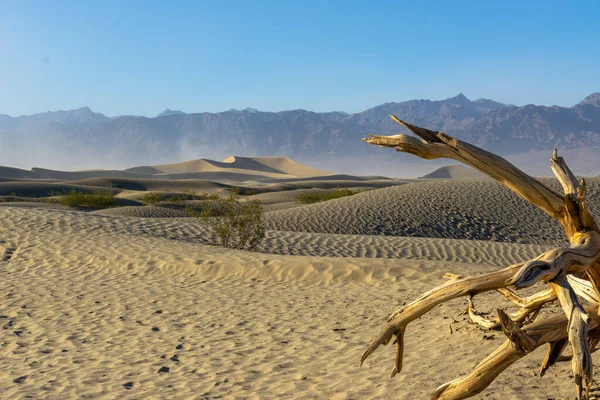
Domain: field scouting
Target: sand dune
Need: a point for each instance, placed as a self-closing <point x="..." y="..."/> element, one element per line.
<point x="186" y="167"/>
<point x="55" y="175"/>
<point x="44" y="189"/>
<point x="275" y="164"/>
<point x="46" y="174"/>
<point x="130" y="308"/>
<point x="136" y="301"/>
<point x="313" y="244"/>
<point x="269" y="167"/>
<point x="161" y="185"/>
<point x="342" y="177"/>
<point x="456" y="172"/>
<point x="203" y="167"/>
<point x="145" y="211"/>
<point x="480" y="210"/>
<point x="437" y="209"/>
<point x="233" y="168"/>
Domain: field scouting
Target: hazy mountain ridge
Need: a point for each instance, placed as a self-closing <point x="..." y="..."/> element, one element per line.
<point x="531" y="128"/>
<point x="168" y="112"/>
<point x="301" y="134"/>
<point x="78" y="116"/>
<point x="451" y="115"/>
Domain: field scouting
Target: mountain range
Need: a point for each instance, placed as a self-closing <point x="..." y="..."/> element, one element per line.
<point x="82" y="136"/>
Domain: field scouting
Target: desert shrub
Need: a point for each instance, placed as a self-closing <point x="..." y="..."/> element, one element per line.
<point x="315" y="196"/>
<point x="54" y="193"/>
<point x="11" y="198"/>
<point x="177" y="199"/>
<point x="242" y="191"/>
<point x="189" y="194"/>
<point x="186" y="194"/>
<point x="152" y="198"/>
<point x="94" y="200"/>
<point x="235" y="224"/>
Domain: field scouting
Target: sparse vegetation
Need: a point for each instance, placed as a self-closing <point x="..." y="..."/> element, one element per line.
<point x="210" y="197"/>
<point x="315" y="196"/>
<point x="152" y="198"/>
<point x="242" y="191"/>
<point x="11" y="198"/>
<point x="54" y="193"/>
<point x="187" y="195"/>
<point x="94" y="200"/>
<point x="236" y="224"/>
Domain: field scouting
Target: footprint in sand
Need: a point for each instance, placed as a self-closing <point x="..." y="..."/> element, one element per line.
<point x="7" y="253"/>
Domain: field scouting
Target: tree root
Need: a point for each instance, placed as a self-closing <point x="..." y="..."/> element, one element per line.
<point x="520" y="342"/>
<point x="570" y="272"/>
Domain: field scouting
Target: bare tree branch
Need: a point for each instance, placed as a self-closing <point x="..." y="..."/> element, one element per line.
<point x="562" y="268"/>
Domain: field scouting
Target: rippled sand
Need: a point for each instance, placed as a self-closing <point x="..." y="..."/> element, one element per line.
<point x="477" y="210"/>
<point x="128" y="308"/>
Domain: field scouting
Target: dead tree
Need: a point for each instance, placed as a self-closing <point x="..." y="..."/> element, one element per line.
<point x="571" y="273"/>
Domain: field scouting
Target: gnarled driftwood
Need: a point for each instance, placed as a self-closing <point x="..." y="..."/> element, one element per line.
<point x="571" y="273"/>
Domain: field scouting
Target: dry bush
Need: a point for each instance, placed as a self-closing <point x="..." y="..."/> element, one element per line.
<point x="236" y="224"/>
<point x="93" y="200"/>
<point x="152" y="198"/>
<point x="314" y="196"/>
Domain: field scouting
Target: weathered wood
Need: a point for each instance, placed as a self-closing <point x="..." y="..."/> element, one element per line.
<point x="586" y="217"/>
<point x="550" y="330"/>
<point x="531" y="301"/>
<point x="526" y="314"/>
<point x="552" y="355"/>
<point x="577" y="333"/>
<point x="562" y="268"/>
<point x="584" y="288"/>
<point x="398" y="321"/>
<point x="563" y="173"/>
<point x="584" y="252"/>
<point x="568" y="260"/>
<point x="523" y="342"/>
<point x="476" y="318"/>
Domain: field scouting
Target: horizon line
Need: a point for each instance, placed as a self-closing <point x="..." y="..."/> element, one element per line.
<point x="289" y="110"/>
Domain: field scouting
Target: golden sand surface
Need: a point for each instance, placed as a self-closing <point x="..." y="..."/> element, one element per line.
<point x="135" y="302"/>
<point x="129" y="308"/>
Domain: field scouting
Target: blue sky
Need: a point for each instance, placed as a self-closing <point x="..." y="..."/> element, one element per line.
<point x="127" y="57"/>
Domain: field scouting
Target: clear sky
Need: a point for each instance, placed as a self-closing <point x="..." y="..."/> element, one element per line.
<point x="127" y="57"/>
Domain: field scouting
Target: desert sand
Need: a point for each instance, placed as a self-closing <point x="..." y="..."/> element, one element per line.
<point x="136" y="302"/>
<point x="456" y="172"/>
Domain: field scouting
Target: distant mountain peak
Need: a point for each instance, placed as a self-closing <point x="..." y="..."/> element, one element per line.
<point x="459" y="97"/>
<point x="482" y="100"/>
<point x="74" y="116"/>
<point x="593" y="99"/>
<point x="168" y="112"/>
<point x="247" y="109"/>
